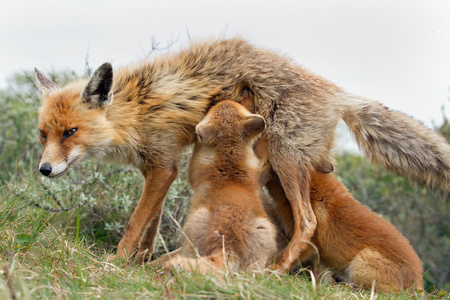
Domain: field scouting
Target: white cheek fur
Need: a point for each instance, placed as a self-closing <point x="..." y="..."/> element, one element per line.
<point x="75" y="154"/>
<point x="61" y="167"/>
<point x="58" y="168"/>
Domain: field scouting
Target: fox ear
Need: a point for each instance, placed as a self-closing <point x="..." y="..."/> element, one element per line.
<point x="98" y="91"/>
<point x="248" y="99"/>
<point x="325" y="167"/>
<point x="45" y="84"/>
<point x="254" y="125"/>
<point x="206" y="133"/>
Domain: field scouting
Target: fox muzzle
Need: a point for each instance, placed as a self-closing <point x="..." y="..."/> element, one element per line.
<point x="45" y="169"/>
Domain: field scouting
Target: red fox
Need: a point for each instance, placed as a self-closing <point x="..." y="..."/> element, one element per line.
<point x="227" y="226"/>
<point x="356" y="244"/>
<point x="145" y="114"/>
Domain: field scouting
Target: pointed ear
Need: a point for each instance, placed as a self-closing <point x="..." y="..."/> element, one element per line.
<point x="325" y="167"/>
<point x="45" y="84"/>
<point x="248" y="99"/>
<point x="206" y="133"/>
<point x="98" y="91"/>
<point x="254" y="125"/>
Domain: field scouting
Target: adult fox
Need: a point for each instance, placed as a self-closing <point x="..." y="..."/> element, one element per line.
<point x="145" y="114"/>
<point x="227" y="226"/>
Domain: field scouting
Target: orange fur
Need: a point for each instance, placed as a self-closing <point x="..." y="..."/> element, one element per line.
<point x="356" y="244"/>
<point x="227" y="226"/>
<point x="143" y="115"/>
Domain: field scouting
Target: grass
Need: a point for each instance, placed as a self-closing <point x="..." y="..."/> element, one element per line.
<point x="39" y="260"/>
<point x="56" y="235"/>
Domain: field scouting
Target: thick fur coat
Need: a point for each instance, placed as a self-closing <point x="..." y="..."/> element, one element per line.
<point x="227" y="227"/>
<point x="350" y="240"/>
<point x="144" y="114"/>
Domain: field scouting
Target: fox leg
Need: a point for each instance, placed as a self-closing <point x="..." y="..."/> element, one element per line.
<point x="184" y="258"/>
<point x="203" y="265"/>
<point x="149" y="239"/>
<point x="163" y="259"/>
<point x="285" y="221"/>
<point x="295" y="185"/>
<point x="282" y="209"/>
<point x="156" y="186"/>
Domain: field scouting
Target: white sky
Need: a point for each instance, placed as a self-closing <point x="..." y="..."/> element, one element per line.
<point x="396" y="52"/>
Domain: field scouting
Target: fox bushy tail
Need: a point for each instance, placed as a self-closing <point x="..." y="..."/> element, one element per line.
<point x="398" y="142"/>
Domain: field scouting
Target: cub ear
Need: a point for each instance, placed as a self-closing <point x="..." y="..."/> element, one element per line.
<point x="254" y="125"/>
<point x="45" y="84"/>
<point x="248" y="99"/>
<point x="206" y="133"/>
<point x="325" y="167"/>
<point x="98" y="91"/>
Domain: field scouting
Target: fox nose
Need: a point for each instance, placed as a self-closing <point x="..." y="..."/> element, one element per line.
<point x="45" y="169"/>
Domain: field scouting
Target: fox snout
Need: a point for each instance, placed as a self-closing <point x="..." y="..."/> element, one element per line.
<point x="53" y="170"/>
<point x="55" y="162"/>
<point x="45" y="169"/>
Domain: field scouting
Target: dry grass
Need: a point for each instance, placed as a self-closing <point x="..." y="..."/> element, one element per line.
<point x="41" y="261"/>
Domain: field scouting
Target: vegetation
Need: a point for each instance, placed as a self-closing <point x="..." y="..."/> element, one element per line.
<point x="56" y="236"/>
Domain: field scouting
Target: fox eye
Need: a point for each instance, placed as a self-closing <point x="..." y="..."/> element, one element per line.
<point x="69" y="132"/>
<point x="72" y="131"/>
<point x="42" y="134"/>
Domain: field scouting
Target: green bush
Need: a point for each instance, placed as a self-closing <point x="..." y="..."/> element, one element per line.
<point x="94" y="201"/>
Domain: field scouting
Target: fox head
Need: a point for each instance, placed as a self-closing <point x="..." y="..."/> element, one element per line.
<point x="229" y="119"/>
<point x="73" y="120"/>
<point x="225" y="140"/>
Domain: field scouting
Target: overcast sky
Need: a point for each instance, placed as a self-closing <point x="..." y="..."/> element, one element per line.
<point x="396" y="52"/>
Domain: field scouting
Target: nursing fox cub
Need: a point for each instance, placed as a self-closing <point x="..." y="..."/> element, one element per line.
<point x="227" y="226"/>
<point x="357" y="245"/>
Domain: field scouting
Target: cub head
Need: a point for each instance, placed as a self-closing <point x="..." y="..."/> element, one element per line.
<point x="229" y="121"/>
<point x="225" y="140"/>
<point x="72" y="120"/>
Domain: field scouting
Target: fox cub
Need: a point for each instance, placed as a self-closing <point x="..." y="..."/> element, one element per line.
<point x="227" y="227"/>
<point x="356" y="244"/>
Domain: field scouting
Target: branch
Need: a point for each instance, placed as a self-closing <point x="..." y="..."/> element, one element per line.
<point x="155" y="45"/>
<point x="58" y="210"/>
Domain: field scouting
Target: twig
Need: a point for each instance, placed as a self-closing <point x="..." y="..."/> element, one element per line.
<point x="155" y="45"/>
<point x="87" y="68"/>
<point x="8" y="274"/>
<point x="169" y="295"/>
<point x="58" y="210"/>
<point x="372" y="291"/>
